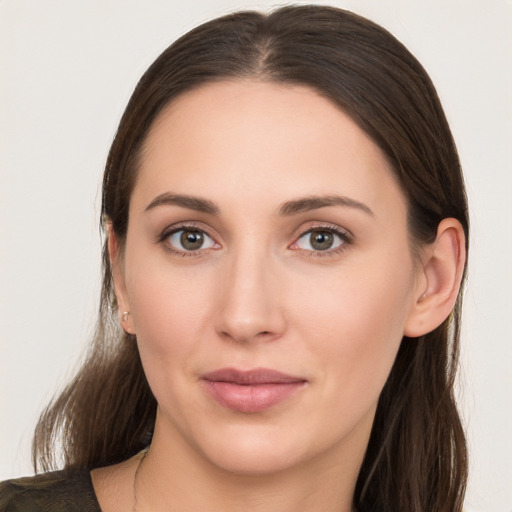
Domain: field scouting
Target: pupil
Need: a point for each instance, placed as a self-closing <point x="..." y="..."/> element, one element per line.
<point x="191" y="240"/>
<point x="321" y="240"/>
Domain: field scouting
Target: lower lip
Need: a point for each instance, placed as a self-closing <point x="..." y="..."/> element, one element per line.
<point x="253" y="397"/>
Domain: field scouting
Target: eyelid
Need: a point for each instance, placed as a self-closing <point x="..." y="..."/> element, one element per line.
<point x="344" y="234"/>
<point x="183" y="226"/>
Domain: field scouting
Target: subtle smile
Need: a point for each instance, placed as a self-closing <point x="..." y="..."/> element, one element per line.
<point x="251" y="391"/>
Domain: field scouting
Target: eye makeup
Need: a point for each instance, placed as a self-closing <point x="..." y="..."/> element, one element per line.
<point x="189" y="239"/>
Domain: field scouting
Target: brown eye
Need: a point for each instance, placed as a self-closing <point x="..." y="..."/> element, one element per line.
<point x="191" y="240"/>
<point x="188" y="240"/>
<point x="321" y="240"/>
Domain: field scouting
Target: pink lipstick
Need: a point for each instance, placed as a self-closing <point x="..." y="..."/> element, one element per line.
<point x="251" y="390"/>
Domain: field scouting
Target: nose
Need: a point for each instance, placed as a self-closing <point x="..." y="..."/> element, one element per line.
<point x="250" y="305"/>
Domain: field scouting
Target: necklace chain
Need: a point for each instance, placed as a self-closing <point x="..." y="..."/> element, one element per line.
<point x="137" y="470"/>
<point x="139" y="465"/>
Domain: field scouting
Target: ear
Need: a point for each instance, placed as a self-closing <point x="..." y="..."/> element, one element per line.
<point x="117" y="269"/>
<point x="439" y="280"/>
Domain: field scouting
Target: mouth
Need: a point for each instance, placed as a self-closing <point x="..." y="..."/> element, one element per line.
<point x="251" y="391"/>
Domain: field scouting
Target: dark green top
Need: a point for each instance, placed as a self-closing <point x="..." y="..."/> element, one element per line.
<point x="59" y="491"/>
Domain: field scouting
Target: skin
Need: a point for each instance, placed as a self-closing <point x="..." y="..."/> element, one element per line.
<point x="257" y="295"/>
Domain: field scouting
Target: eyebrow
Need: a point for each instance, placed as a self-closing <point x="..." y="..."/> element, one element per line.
<point x="315" y="202"/>
<point x="287" y="209"/>
<point x="190" y="202"/>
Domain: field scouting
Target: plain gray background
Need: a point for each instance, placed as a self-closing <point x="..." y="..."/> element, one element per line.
<point x="67" y="70"/>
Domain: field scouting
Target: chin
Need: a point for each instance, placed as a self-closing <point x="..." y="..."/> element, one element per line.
<point x="256" y="449"/>
<point x="254" y="460"/>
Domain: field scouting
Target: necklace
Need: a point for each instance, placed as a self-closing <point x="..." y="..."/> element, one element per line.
<point x="139" y="465"/>
<point x="137" y="470"/>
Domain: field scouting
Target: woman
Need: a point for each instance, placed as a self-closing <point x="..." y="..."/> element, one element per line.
<point x="286" y="241"/>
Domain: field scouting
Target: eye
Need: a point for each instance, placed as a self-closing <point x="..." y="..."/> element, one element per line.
<point x="321" y="240"/>
<point x="190" y="239"/>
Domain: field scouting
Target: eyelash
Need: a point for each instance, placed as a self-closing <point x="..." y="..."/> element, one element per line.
<point x="344" y="236"/>
<point x="176" y="229"/>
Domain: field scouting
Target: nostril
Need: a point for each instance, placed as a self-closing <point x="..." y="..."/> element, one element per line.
<point x="263" y="334"/>
<point x="246" y="336"/>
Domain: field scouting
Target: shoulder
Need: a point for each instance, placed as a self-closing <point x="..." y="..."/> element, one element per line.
<point x="59" y="491"/>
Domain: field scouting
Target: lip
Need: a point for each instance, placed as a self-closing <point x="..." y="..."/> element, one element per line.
<point x="251" y="391"/>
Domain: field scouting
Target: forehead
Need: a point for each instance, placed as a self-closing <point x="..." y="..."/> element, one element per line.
<point x="250" y="139"/>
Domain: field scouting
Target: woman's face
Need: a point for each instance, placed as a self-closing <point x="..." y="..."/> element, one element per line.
<point x="268" y="274"/>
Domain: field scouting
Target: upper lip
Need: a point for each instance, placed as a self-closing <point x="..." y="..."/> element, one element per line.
<point x="254" y="376"/>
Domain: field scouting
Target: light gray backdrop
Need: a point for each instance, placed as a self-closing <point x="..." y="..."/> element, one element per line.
<point x="67" y="69"/>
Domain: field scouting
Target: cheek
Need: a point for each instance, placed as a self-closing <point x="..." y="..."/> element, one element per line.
<point x="354" y="325"/>
<point x="170" y="307"/>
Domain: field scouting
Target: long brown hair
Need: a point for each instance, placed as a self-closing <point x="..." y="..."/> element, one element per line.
<point x="416" y="457"/>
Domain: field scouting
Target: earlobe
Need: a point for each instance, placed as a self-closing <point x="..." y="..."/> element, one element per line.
<point x="116" y="266"/>
<point x="438" y="288"/>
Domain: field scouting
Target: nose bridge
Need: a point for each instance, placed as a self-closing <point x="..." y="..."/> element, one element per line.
<point x="249" y="306"/>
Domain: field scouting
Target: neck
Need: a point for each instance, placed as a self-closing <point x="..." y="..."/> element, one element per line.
<point x="173" y="477"/>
